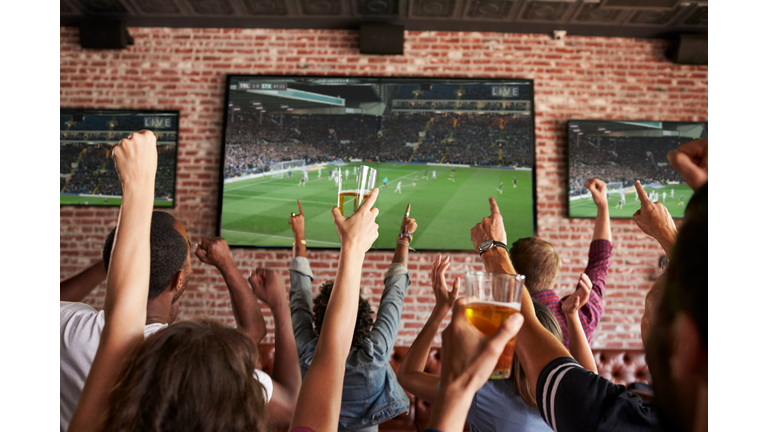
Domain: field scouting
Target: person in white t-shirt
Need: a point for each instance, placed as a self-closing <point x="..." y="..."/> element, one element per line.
<point x="81" y="325"/>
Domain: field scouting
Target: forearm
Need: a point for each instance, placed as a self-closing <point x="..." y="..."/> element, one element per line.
<point x="496" y="260"/>
<point x="286" y="370"/>
<point x="580" y="349"/>
<point x="299" y="245"/>
<point x="244" y="304"/>
<point x="450" y="410"/>
<point x="401" y="253"/>
<point x="74" y="288"/>
<point x="666" y="239"/>
<point x="602" y="224"/>
<point x="411" y="373"/>
<point x="535" y="345"/>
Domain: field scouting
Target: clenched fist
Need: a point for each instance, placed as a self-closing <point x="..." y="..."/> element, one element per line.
<point x="597" y="187"/>
<point x="136" y="159"/>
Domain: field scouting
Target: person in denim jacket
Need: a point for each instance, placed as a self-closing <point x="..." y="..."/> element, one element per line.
<point x="371" y="392"/>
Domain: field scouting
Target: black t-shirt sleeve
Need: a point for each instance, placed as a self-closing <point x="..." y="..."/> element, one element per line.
<point x="571" y="398"/>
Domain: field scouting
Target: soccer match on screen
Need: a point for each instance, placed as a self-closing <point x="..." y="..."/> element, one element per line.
<point x="622" y="152"/>
<point x="443" y="146"/>
<point x="86" y="137"/>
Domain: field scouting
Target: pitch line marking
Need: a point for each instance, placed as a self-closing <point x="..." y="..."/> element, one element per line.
<point x="280" y="237"/>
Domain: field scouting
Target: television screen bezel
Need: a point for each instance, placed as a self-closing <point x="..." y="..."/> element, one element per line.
<point x="568" y="159"/>
<point x="85" y="111"/>
<point x="415" y="79"/>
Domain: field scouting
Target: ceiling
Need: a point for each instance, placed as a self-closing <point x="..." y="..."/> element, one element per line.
<point x="612" y="18"/>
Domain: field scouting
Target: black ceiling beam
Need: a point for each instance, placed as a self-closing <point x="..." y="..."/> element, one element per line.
<point x="651" y="32"/>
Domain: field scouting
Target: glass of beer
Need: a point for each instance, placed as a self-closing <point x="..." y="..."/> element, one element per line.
<point x="491" y="299"/>
<point x="355" y="188"/>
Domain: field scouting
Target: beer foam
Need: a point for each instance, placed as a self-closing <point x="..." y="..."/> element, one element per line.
<point x="513" y="305"/>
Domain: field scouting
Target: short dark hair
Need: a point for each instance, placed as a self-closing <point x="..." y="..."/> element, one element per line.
<point x="538" y="260"/>
<point x="168" y="252"/>
<point x="364" y="314"/>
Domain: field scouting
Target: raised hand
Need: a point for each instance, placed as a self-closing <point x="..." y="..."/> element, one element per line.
<point x="490" y="228"/>
<point x="359" y="231"/>
<point x="136" y="159"/>
<point x="579" y="298"/>
<point x="267" y="285"/>
<point x="654" y="219"/>
<point x="597" y="187"/>
<point x="297" y="222"/>
<point x="213" y="251"/>
<point x="444" y="299"/>
<point x="409" y="223"/>
<point x="691" y="160"/>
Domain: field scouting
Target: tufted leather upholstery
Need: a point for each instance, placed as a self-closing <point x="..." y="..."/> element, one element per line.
<point x="620" y="366"/>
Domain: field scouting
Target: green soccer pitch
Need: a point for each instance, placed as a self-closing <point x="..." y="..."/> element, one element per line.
<point x="97" y="201"/>
<point x="256" y="212"/>
<point x="585" y="207"/>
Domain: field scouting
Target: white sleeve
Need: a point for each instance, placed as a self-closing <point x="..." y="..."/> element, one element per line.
<point x="266" y="382"/>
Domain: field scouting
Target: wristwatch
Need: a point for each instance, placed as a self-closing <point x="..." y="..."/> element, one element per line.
<point x="484" y="246"/>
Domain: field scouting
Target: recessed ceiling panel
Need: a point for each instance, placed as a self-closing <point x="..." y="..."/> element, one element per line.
<point x="266" y="7"/>
<point x="489" y="9"/>
<point x="212" y="7"/>
<point x="433" y="8"/>
<point x="321" y="7"/>
<point x="157" y="7"/>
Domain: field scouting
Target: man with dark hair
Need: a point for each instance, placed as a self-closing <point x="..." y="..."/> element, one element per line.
<point x="538" y="260"/>
<point x="371" y="392"/>
<point x="170" y="271"/>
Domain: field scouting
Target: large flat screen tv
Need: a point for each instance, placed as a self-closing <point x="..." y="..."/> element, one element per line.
<point x="620" y="152"/>
<point x="86" y="137"/>
<point x="416" y="132"/>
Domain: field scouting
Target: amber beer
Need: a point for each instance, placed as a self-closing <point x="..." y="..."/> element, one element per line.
<point x="487" y="317"/>
<point x="343" y="195"/>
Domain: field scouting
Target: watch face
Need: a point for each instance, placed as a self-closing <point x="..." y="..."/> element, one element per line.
<point x="486" y="244"/>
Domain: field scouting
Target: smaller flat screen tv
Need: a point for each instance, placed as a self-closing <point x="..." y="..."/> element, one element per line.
<point x="620" y="152"/>
<point x="87" y="171"/>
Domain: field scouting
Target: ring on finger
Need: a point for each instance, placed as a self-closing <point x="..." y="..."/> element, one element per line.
<point x="293" y="214"/>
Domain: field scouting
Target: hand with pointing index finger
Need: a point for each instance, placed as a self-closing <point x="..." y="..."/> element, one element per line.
<point x="654" y="219"/>
<point x="409" y="223"/>
<point x="358" y="232"/>
<point x="490" y="228"/>
<point x="297" y="222"/>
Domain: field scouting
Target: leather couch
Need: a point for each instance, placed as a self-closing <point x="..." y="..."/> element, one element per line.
<point x="620" y="366"/>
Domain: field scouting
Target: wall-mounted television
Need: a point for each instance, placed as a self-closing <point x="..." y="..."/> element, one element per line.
<point x="620" y="152"/>
<point x="87" y="171"/>
<point x="446" y="144"/>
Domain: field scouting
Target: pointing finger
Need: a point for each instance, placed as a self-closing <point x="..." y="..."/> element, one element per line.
<point x="641" y="193"/>
<point x="494" y="207"/>
<point x="368" y="204"/>
<point x="301" y="212"/>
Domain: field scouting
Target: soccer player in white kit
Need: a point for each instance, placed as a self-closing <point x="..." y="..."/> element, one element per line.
<point x="672" y="193"/>
<point x="319" y="169"/>
<point x="664" y="196"/>
<point x="434" y="175"/>
<point x="346" y="173"/>
<point x="398" y="187"/>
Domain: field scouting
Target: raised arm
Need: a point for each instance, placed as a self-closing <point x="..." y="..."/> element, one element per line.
<point x="579" y="344"/>
<point x="396" y="282"/>
<point x="301" y="284"/>
<point x="603" y="219"/>
<point x="75" y="287"/>
<point x="319" y="401"/>
<point x="215" y="251"/>
<point x="495" y="259"/>
<point x="269" y="287"/>
<point x="654" y="219"/>
<point x="125" y="305"/>
<point x="411" y="373"/>
<point x="468" y="360"/>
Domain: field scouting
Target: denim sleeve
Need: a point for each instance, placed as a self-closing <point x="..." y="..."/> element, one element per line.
<point x="301" y="301"/>
<point x="387" y="323"/>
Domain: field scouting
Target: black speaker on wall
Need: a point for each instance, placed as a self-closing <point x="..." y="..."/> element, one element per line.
<point x="689" y="50"/>
<point x="380" y="38"/>
<point x="104" y="34"/>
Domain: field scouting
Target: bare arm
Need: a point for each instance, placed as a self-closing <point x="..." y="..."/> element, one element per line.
<point x="75" y="287"/>
<point x="603" y="219"/>
<point x="269" y="287"/>
<point x="319" y="401"/>
<point x="491" y="227"/>
<point x="215" y="251"/>
<point x="411" y="373"/>
<point x="125" y="305"/>
<point x="297" y="226"/>
<point x="580" y="349"/>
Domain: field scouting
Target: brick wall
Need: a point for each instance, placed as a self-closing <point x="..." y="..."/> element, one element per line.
<point x="581" y="77"/>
